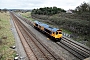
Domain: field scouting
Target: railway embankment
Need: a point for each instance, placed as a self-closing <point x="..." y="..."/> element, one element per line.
<point x="6" y="37"/>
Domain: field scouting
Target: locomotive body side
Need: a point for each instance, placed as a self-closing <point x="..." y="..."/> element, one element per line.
<point x="52" y="32"/>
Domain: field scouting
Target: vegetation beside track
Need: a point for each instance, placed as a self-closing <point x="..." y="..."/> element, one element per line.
<point x="77" y="37"/>
<point x="27" y="15"/>
<point x="6" y="37"/>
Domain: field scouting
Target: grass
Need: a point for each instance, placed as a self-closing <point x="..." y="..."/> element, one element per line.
<point x="27" y="15"/>
<point x="6" y="37"/>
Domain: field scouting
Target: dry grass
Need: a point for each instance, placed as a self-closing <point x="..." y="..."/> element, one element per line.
<point x="6" y="37"/>
<point x="27" y="15"/>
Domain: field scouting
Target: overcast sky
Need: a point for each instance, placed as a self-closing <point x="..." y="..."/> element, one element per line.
<point x="31" y="4"/>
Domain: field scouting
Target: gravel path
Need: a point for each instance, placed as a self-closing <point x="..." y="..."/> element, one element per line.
<point x="19" y="48"/>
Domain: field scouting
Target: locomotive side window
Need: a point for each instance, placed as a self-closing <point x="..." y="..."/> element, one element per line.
<point x="48" y="31"/>
<point x="36" y="24"/>
<point x="39" y="26"/>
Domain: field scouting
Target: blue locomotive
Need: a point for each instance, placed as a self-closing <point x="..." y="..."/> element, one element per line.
<point x="54" y="33"/>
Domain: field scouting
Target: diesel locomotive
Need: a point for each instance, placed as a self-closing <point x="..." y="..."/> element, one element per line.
<point x="54" y="33"/>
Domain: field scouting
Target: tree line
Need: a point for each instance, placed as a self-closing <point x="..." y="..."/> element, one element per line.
<point x="3" y="10"/>
<point x="47" y="11"/>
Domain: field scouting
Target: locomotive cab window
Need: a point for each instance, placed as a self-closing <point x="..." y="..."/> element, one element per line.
<point x="53" y="32"/>
<point x="60" y="33"/>
<point x="56" y="33"/>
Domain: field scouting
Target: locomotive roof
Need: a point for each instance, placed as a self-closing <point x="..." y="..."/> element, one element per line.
<point x="37" y="22"/>
<point x="46" y="26"/>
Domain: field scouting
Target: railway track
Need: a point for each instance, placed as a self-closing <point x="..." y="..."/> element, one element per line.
<point x="74" y="48"/>
<point x="78" y="46"/>
<point x="40" y="51"/>
<point x="27" y="49"/>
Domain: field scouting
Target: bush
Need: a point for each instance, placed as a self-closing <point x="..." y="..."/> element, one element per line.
<point x="78" y="26"/>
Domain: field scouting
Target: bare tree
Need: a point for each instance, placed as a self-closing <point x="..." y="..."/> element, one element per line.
<point x="84" y="7"/>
